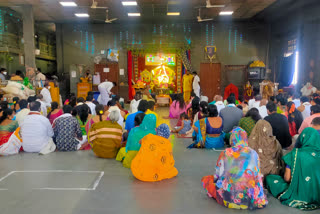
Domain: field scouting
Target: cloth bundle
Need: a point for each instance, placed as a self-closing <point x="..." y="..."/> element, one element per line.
<point x="16" y="89"/>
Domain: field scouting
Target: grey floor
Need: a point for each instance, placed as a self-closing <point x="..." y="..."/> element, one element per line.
<point x="63" y="183"/>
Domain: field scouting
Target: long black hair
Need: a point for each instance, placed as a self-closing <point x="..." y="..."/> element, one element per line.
<point x="294" y="115"/>
<point x="204" y="107"/>
<point x="83" y="112"/>
<point x="195" y="106"/>
<point x="181" y="101"/>
<point x="100" y="111"/>
<point x="7" y="112"/>
<point x="254" y="114"/>
<point x="213" y="111"/>
<point x="138" y="119"/>
<point x="54" y="106"/>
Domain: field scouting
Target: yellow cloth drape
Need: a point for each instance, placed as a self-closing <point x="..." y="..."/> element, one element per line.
<point x="187" y="86"/>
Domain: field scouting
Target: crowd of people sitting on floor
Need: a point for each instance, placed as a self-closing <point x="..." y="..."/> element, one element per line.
<point x="256" y="133"/>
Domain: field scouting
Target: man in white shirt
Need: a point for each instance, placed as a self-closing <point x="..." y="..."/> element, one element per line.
<point x="305" y="107"/>
<point x="24" y="111"/>
<point x="37" y="132"/>
<point x="219" y="103"/>
<point x="46" y="95"/>
<point x="135" y="102"/>
<point x="263" y="108"/>
<point x="196" y="84"/>
<point x="256" y="103"/>
<point x="44" y="110"/>
<point x="91" y="105"/>
<point x="105" y="92"/>
<point x="40" y="77"/>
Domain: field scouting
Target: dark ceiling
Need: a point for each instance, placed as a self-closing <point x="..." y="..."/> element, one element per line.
<point x="151" y="10"/>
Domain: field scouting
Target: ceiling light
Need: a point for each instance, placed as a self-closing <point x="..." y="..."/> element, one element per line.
<point x="226" y="13"/>
<point x="129" y="3"/>
<point x="81" y="15"/>
<point x="68" y="4"/>
<point x="173" y="13"/>
<point x="217" y="5"/>
<point x="134" y="14"/>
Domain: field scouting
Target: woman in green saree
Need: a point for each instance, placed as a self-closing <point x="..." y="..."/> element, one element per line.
<point x="300" y="187"/>
<point x="148" y="126"/>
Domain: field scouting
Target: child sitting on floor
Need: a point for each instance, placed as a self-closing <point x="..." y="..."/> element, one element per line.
<point x="185" y="125"/>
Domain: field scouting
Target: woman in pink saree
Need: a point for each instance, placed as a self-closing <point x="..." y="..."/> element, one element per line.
<point x="178" y="107"/>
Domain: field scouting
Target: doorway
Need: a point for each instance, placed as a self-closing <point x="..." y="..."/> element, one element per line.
<point x="210" y="79"/>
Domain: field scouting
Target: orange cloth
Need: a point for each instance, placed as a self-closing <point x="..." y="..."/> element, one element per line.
<point x="154" y="161"/>
<point x="231" y="89"/>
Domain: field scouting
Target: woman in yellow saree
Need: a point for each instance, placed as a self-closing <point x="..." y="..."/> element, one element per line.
<point x="154" y="161"/>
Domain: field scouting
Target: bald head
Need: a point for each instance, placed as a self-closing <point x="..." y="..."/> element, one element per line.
<point x="263" y="102"/>
<point x="218" y="98"/>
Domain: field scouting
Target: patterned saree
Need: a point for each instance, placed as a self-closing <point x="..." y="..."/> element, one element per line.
<point x="237" y="182"/>
<point x="303" y="192"/>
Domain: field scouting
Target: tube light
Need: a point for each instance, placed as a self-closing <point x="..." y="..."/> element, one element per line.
<point x="134" y="14"/>
<point x="81" y="15"/>
<point x="226" y="13"/>
<point x="296" y="69"/>
<point x="68" y="4"/>
<point x="173" y="13"/>
<point x="129" y="3"/>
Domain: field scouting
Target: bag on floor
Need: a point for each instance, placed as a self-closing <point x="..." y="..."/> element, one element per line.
<point x="13" y="145"/>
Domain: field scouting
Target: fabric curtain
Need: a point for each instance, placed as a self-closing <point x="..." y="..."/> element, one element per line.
<point x="130" y="74"/>
<point x="287" y="71"/>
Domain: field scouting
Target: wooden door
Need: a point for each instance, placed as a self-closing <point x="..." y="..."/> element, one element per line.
<point x="210" y="79"/>
<point x="112" y="75"/>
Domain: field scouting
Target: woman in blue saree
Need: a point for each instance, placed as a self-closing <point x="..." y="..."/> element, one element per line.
<point x="208" y="131"/>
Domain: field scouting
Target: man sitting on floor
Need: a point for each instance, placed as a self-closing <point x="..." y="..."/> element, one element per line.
<point x="142" y="108"/>
<point x="279" y="124"/>
<point x="67" y="131"/>
<point x="91" y="105"/>
<point x="315" y="112"/>
<point x="231" y="115"/>
<point x="24" y="111"/>
<point x="36" y="132"/>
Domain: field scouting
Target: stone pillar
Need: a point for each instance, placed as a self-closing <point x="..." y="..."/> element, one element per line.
<point x="29" y="43"/>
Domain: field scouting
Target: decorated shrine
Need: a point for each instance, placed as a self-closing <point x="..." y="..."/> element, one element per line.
<point x="161" y="71"/>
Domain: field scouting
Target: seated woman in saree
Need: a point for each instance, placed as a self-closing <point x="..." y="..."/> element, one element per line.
<point x="122" y="152"/>
<point x="154" y="161"/>
<point x="55" y="112"/>
<point x="237" y="183"/>
<point x="208" y="131"/>
<point x="148" y="126"/>
<point x="105" y="136"/>
<point x="84" y="117"/>
<point x="295" y="118"/>
<point x="268" y="148"/>
<point x="249" y="121"/>
<point x="178" y="107"/>
<point x="300" y="186"/>
<point x="7" y="125"/>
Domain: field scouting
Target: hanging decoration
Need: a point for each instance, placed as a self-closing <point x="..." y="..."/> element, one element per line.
<point x="157" y="59"/>
<point x="211" y="52"/>
<point x="135" y="67"/>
